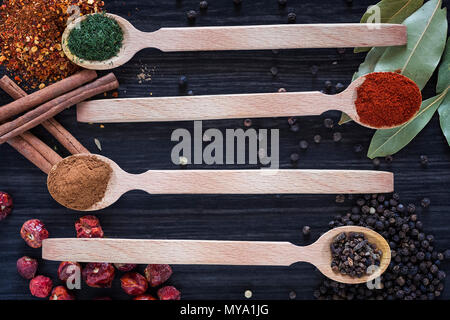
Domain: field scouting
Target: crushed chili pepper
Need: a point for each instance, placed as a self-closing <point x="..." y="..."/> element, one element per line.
<point x="68" y="268"/>
<point x="169" y="293"/>
<point x="145" y="296"/>
<point x="387" y="99"/>
<point x="6" y="205"/>
<point x="89" y="227"/>
<point x="61" y="293"/>
<point x="98" y="275"/>
<point x="41" y="286"/>
<point x="133" y="283"/>
<point x="125" y="267"/>
<point x="34" y="232"/>
<point x="157" y="274"/>
<point x="30" y="37"/>
<point x="27" y="267"/>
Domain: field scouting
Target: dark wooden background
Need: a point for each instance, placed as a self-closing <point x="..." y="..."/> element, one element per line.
<point x="139" y="147"/>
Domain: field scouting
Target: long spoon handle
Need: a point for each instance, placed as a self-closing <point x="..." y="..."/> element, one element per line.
<point x="175" y="251"/>
<point x="209" y="107"/>
<point x="265" y="181"/>
<point x="274" y="37"/>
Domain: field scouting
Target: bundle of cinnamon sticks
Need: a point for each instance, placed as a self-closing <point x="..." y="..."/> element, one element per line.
<point x="52" y="100"/>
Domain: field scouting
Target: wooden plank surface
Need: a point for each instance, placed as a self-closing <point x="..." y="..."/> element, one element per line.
<point x="141" y="146"/>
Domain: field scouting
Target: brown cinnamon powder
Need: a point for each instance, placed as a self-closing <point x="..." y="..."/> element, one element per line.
<point x="79" y="182"/>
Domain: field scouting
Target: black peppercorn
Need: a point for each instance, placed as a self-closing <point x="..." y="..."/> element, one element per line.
<point x="282" y="3"/>
<point x="425" y="202"/>
<point x="306" y="231"/>
<point x="376" y="163"/>
<point x="337" y="136"/>
<point x="303" y="144"/>
<point x="317" y="138"/>
<point x="424" y="161"/>
<point x="292" y="17"/>
<point x="328" y="123"/>
<point x="182" y="82"/>
<point x="191" y="15"/>
<point x="203" y="5"/>
<point x="339" y="87"/>
<point x="295" y="157"/>
<point x="274" y="71"/>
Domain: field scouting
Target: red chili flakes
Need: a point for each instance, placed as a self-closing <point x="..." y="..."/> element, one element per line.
<point x="134" y="283"/>
<point x="34" y="232"/>
<point x="125" y="267"/>
<point x="61" y="293"/>
<point x="6" y="205"/>
<point x="145" y="296"/>
<point x="157" y="274"/>
<point x="98" y="275"/>
<point x="89" y="227"/>
<point x="27" y="267"/>
<point x="169" y="293"/>
<point x="68" y="268"/>
<point x="41" y="286"/>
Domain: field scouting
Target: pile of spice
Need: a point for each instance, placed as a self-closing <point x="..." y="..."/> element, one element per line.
<point x="387" y="99"/>
<point x="79" y="182"/>
<point x="98" y="38"/>
<point x="30" y="37"/>
<point x="352" y="254"/>
<point x="413" y="273"/>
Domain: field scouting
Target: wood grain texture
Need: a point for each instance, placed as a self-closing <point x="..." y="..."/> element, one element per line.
<point x="210" y="252"/>
<point x="138" y="147"/>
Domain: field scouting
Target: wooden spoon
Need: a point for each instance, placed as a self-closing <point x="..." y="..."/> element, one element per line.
<point x="264" y="181"/>
<point x="243" y="38"/>
<point x="248" y="253"/>
<point x="208" y="107"/>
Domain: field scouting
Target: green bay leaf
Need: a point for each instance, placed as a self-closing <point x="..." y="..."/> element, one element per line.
<point x="444" y="117"/>
<point x="444" y="70"/>
<point x="389" y="141"/>
<point x="427" y="32"/>
<point x="391" y="11"/>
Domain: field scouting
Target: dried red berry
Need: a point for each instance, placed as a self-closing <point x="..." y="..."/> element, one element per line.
<point x="157" y="274"/>
<point x="41" y="286"/>
<point x="145" y="296"/>
<point x="34" y="232"/>
<point x="6" y="205"/>
<point x="125" y="267"/>
<point x="89" y="227"/>
<point x="27" y="267"/>
<point x="169" y="293"/>
<point x="133" y="283"/>
<point x="98" y="275"/>
<point x="67" y="269"/>
<point x="61" y="293"/>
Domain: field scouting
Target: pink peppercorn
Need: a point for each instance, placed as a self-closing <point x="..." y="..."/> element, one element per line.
<point x="41" y="286"/>
<point x="169" y="293"/>
<point x="99" y="275"/>
<point x="157" y="274"/>
<point x="27" y="267"/>
<point x="6" y="205"/>
<point x="89" y="227"/>
<point x="133" y="283"/>
<point x="34" y="232"/>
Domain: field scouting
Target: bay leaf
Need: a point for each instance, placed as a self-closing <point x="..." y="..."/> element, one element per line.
<point x="390" y="11"/>
<point x="389" y="141"/>
<point x="444" y="117"/>
<point x="444" y="70"/>
<point x="427" y="32"/>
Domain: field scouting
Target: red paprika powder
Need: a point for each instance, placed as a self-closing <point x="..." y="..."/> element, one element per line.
<point x="387" y="99"/>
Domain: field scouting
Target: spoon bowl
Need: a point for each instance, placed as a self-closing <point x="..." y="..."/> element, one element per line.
<point x="208" y="252"/>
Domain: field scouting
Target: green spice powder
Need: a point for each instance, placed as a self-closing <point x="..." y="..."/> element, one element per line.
<point x="98" y="38"/>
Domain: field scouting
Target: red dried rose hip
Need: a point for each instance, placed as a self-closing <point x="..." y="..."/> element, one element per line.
<point x="6" y="205"/>
<point x="27" y="267"/>
<point x="145" y="296"/>
<point x="41" y="286"/>
<point x="157" y="274"/>
<point x="34" y="232"/>
<point x="169" y="293"/>
<point x="134" y="283"/>
<point x="61" y="293"/>
<point x="125" y="267"/>
<point x="99" y="275"/>
<point x="89" y="227"/>
<point x="67" y="269"/>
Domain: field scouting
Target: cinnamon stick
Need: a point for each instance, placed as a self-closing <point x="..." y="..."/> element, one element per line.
<point x="55" y="106"/>
<point x="29" y="152"/>
<point x="55" y="90"/>
<point x="64" y="137"/>
<point x="47" y="152"/>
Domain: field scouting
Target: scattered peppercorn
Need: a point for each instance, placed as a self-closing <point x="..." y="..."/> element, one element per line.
<point x="292" y="17"/>
<point x="423" y="161"/>
<point x="68" y="269"/>
<point x="303" y="144"/>
<point x="340" y="198"/>
<point x="328" y="86"/>
<point x="6" y="205"/>
<point x="425" y="203"/>
<point x="27" y="267"/>
<point x="292" y="295"/>
<point x="134" y="283"/>
<point x="389" y="159"/>
<point x="169" y="293"/>
<point x="314" y="70"/>
<point x="203" y="5"/>
<point x="357" y="148"/>
<point x="61" y="293"/>
<point x="328" y="123"/>
<point x="190" y="93"/>
<point x="282" y="90"/>
<point x="274" y="71"/>
<point x="98" y="275"/>
<point x="34" y="232"/>
<point x="41" y="286"/>
<point x="294" y="158"/>
<point x="337" y="136"/>
<point x="182" y="82"/>
<point x="125" y="267"/>
<point x="339" y="87"/>
<point x="295" y="127"/>
<point x="317" y="138"/>
<point x="89" y="227"/>
<point x="191" y="15"/>
<point x="376" y="163"/>
<point x="157" y="274"/>
<point x="306" y="231"/>
<point x="248" y="123"/>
